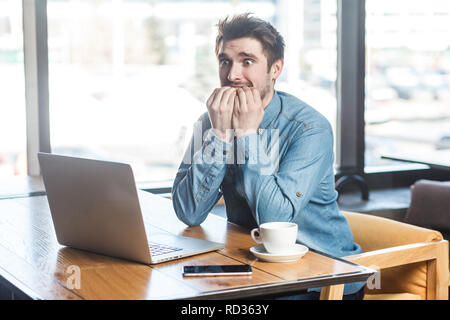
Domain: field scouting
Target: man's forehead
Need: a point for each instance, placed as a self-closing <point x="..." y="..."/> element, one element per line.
<point x="242" y="47"/>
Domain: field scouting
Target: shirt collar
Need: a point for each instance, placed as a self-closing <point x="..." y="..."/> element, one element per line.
<point x="271" y="111"/>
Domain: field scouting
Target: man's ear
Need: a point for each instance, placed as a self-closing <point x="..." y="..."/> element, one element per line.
<point x="276" y="69"/>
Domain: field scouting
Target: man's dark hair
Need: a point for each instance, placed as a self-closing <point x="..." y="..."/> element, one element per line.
<point x="243" y="25"/>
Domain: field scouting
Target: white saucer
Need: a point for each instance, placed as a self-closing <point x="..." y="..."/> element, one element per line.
<point x="260" y="252"/>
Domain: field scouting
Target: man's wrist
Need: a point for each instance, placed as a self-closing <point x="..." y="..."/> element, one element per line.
<point x="224" y="136"/>
<point x="243" y="132"/>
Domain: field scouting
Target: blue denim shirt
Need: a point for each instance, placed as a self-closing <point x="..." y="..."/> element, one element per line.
<point x="282" y="173"/>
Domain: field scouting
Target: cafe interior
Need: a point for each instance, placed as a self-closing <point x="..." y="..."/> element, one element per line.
<point x="125" y="81"/>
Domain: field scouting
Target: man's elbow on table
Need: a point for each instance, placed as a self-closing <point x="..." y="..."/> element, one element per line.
<point x="190" y="222"/>
<point x="188" y="217"/>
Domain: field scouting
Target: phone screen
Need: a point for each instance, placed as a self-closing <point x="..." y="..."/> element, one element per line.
<point x="217" y="270"/>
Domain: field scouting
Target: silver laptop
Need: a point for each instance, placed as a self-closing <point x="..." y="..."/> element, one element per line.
<point x="95" y="207"/>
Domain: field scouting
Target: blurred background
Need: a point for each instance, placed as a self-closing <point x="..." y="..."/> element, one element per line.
<point x="128" y="78"/>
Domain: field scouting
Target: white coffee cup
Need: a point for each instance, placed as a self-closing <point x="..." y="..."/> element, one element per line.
<point x="277" y="237"/>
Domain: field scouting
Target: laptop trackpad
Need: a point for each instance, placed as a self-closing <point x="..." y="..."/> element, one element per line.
<point x="175" y="241"/>
<point x="163" y="238"/>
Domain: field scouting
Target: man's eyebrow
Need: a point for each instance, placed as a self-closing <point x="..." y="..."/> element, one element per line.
<point x="240" y="54"/>
<point x="248" y="55"/>
<point x="222" y="56"/>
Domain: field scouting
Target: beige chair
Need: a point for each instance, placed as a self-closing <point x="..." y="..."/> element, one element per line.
<point x="413" y="261"/>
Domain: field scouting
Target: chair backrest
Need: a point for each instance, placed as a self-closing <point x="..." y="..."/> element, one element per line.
<point x="430" y="206"/>
<point x="374" y="233"/>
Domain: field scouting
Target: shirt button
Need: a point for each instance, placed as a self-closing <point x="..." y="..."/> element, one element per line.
<point x="224" y="152"/>
<point x="299" y="194"/>
<point x="260" y="131"/>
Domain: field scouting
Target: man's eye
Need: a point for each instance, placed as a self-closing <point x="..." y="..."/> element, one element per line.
<point x="248" y="62"/>
<point x="224" y="63"/>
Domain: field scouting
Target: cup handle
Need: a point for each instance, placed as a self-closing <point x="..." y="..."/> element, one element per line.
<point x="256" y="235"/>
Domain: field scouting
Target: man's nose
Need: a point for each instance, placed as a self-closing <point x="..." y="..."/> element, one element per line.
<point x="235" y="73"/>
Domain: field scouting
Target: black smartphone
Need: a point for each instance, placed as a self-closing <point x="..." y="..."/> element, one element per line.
<point x="227" y="270"/>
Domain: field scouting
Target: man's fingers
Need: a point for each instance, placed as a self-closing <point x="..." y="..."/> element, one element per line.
<point x="211" y="98"/>
<point x="242" y="100"/>
<point x="230" y="101"/>
<point x="236" y="106"/>
<point x="225" y="101"/>
<point x="218" y="97"/>
<point x="249" y="96"/>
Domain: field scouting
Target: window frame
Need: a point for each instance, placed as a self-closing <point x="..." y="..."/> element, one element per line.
<point x="36" y="81"/>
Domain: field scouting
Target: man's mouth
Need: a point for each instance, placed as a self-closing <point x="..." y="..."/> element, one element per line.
<point x="240" y="85"/>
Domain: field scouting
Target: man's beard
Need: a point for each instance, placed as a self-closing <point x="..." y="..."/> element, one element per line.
<point x="266" y="90"/>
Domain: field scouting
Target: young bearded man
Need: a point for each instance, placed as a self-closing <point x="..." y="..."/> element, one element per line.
<point x="268" y="154"/>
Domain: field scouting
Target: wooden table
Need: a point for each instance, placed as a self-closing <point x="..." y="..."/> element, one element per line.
<point x="33" y="265"/>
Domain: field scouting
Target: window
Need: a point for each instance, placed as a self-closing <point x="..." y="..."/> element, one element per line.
<point x="128" y="79"/>
<point x="12" y="99"/>
<point x="309" y="28"/>
<point x="408" y="78"/>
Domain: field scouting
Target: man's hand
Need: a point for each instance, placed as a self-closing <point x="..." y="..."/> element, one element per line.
<point x="248" y="111"/>
<point x="220" y="109"/>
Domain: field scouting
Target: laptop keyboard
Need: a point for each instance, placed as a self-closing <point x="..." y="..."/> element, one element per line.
<point x="157" y="249"/>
